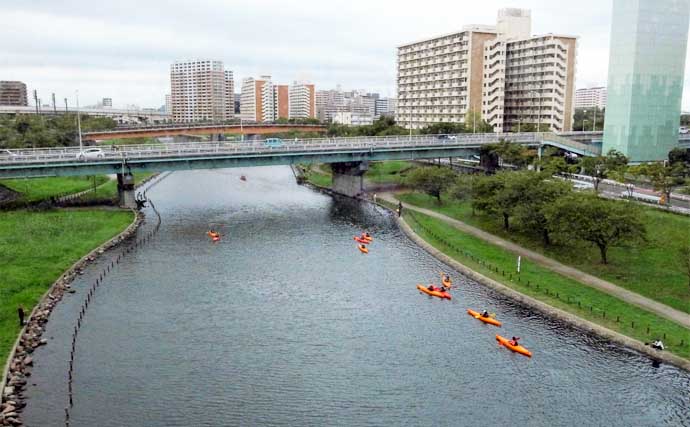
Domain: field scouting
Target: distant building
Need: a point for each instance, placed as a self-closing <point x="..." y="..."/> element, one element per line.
<point x="13" y="93"/>
<point x="590" y="98"/>
<point x="302" y="100"/>
<point x="331" y="102"/>
<point x="198" y="91"/>
<point x="264" y="101"/>
<point x="237" y="97"/>
<point x="168" y="103"/>
<point x="646" y="75"/>
<point x="385" y="107"/>
<point x="107" y="103"/>
<point x="353" y="118"/>
<point x="229" y="95"/>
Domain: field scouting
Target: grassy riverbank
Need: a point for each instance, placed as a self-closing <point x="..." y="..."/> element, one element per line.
<point x="34" y="189"/>
<point x="391" y="172"/>
<point x="37" y="247"/>
<point x="652" y="268"/>
<point x="108" y="191"/>
<point x="549" y="287"/>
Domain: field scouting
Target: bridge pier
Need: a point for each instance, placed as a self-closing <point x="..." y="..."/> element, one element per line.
<point x="348" y="177"/>
<point x="125" y="190"/>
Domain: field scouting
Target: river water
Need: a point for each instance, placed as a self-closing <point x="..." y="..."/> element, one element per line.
<point x="285" y="323"/>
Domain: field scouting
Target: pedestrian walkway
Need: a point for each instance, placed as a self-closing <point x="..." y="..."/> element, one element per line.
<point x="582" y="277"/>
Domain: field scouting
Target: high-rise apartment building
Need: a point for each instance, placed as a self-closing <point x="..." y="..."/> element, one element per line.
<point x="198" y="91"/>
<point x="168" y="103"/>
<point x="107" y="102"/>
<point x="229" y="95"/>
<point x="13" y="93"/>
<point x="302" y="101"/>
<point x="385" y="107"/>
<point x="264" y="101"/>
<point x="590" y="97"/>
<point x="331" y="102"/>
<point x="251" y="100"/>
<point x="646" y="72"/>
<point x="501" y="72"/>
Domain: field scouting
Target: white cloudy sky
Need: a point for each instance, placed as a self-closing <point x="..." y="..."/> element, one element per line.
<point x="123" y="49"/>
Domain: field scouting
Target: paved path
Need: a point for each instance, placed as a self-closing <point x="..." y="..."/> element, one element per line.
<point x="592" y="281"/>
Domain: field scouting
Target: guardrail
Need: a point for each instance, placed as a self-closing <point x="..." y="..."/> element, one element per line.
<point x="191" y="149"/>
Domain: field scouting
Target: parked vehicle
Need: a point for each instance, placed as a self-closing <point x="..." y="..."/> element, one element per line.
<point x="448" y="137"/>
<point x="684" y="130"/>
<point x="7" y="155"/>
<point x="90" y="154"/>
<point x="273" y="142"/>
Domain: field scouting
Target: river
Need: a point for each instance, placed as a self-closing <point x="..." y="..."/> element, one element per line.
<point x="285" y="323"/>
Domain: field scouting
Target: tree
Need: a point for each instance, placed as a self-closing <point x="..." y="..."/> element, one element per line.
<point x="511" y="153"/>
<point x="431" y="180"/>
<point x="604" y="223"/>
<point x="531" y="127"/>
<point x="475" y="124"/>
<point x="444" y="128"/>
<point x="538" y="195"/>
<point x="499" y="194"/>
<point x="613" y="165"/>
<point x="663" y="177"/>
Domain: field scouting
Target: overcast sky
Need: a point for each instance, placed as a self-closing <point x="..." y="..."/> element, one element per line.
<point x="123" y="49"/>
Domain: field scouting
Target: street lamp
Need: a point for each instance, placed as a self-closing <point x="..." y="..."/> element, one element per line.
<point x="535" y="93"/>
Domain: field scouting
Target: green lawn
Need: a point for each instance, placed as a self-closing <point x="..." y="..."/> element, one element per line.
<point x="653" y="269"/>
<point x="391" y="172"/>
<point x="36" y="248"/>
<point x="109" y="190"/>
<point x="35" y="189"/>
<point x="549" y="287"/>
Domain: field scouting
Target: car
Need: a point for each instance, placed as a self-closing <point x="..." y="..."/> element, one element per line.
<point x="273" y="142"/>
<point x="90" y="154"/>
<point x="448" y="137"/>
<point x="7" y="155"/>
<point x="684" y="130"/>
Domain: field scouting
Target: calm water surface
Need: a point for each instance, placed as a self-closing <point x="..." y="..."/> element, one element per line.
<point x="285" y="323"/>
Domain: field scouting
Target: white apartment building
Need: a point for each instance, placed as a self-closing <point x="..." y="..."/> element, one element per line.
<point x="229" y="95"/>
<point x="501" y="71"/>
<point x="530" y="80"/>
<point x="168" y="104"/>
<point x="440" y="79"/>
<point x="251" y="99"/>
<point x="591" y="97"/>
<point x="302" y="100"/>
<point x="198" y="91"/>
<point x="331" y="102"/>
<point x="385" y="107"/>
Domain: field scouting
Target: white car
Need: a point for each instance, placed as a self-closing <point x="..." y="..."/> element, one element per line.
<point x="90" y="154"/>
<point x="7" y="155"/>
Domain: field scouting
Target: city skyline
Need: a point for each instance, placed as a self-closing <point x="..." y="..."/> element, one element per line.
<point x="101" y="56"/>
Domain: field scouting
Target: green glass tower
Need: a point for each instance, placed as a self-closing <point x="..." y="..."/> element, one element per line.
<point x="646" y="70"/>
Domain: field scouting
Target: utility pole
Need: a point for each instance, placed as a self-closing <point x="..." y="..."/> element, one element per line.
<point x="81" y="148"/>
<point x="66" y="109"/>
<point x="54" y="107"/>
<point x="594" y="126"/>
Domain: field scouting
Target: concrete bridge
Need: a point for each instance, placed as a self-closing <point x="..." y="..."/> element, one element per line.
<point x="199" y="129"/>
<point x="350" y="156"/>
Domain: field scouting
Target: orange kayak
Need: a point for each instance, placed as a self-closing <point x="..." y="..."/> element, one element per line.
<point x="363" y="249"/>
<point x="446" y="283"/>
<point x="360" y="240"/>
<point x="516" y="348"/>
<point x="435" y="293"/>
<point x="369" y="239"/>
<point x="479" y="316"/>
<point x="213" y="235"/>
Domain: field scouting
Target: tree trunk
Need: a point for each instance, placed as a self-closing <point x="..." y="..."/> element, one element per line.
<point x="602" y="251"/>
<point x="545" y="237"/>
<point x="506" y="222"/>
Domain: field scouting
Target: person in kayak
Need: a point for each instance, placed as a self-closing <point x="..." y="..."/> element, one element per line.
<point x="443" y="289"/>
<point x="366" y="235"/>
<point x="485" y="313"/>
<point x="431" y="288"/>
<point x="514" y="341"/>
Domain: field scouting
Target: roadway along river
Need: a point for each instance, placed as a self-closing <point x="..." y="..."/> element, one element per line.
<point x="284" y="322"/>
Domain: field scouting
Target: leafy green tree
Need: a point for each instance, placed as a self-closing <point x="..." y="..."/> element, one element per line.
<point x="531" y="127"/>
<point x="444" y="128"/>
<point x="583" y="119"/>
<point x="475" y="124"/>
<point x="663" y="177"/>
<point x="604" y="223"/>
<point x="500" y="194"/>
<point x="511" y="153"/>
<point x="614" y="165"/>
<point x="431" y="180"/>
<point x="538" y="194"/>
